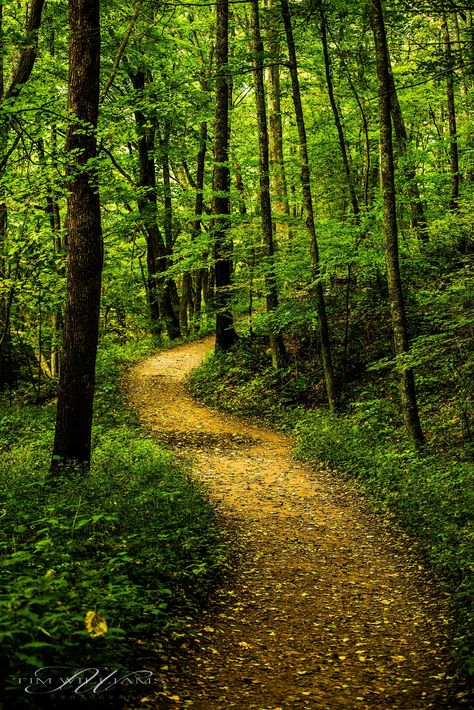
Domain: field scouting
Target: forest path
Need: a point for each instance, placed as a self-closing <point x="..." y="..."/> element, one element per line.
<point x="328" y="608"/>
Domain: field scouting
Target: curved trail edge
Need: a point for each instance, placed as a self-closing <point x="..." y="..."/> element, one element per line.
<point x="328" y="608"/>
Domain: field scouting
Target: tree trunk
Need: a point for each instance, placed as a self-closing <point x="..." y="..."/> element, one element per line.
<point x="418" y="219"/>
<point x="186" y="302"/>
<point x="330" y="380"/>
<point x="52" y="210"/>
<point x="4" y="311"/>
<point x="225" y="331"/>
<point x="387" y="174"/>
<point x="170" y="290"/>
<point x="27" y="57"/>
<point x="276" y="341"/>
<point x="337" y="121"/>
<point x="72" y="440"/>
<point x="470" y="43"/>
<point x="159" y="296"/>
<point x="279" y="188"/>
<point x="453" y="138"/>
<point x="197" y="222"/>
<point x="19" y="76"/>
<point x="365" y="180"/>
<point x="460" y="52"/>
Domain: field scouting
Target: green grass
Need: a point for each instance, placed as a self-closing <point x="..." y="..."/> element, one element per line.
<point x="135" y="541"/>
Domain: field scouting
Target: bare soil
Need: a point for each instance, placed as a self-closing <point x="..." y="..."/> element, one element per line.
<point x="328" y="605"/>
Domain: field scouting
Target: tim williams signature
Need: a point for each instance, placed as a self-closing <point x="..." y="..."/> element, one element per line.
<point x="52" y="679"/>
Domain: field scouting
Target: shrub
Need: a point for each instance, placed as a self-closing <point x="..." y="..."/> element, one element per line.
<point x="135" y="544"/>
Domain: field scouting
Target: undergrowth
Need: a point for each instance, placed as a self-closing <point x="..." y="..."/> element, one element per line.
<point x="135" y="544"/>
<point x="430" y="493"/>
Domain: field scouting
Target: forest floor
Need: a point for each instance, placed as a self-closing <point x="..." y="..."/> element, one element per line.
<point x="328" y="605"/>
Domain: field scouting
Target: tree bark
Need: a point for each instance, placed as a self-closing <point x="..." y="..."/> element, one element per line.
<point x="27" y="57"/>
<point x="337" y="120"/>
<point x="197" y="222"/>
<point x="418" y="219"/>
<point x="72" y="442"/>
<point x="326" y="355"/>
<point x="4" y="309"/>
<point x="453" y="138"/>
<point x="387" y="175"/>
<point x="159" y="296"/>
<point x="279" y="187"/>
<point x="172" y="323"/>
<point x="277" y="345"/>
<point x="52" y="210"/>
<point x="186" y="302"/>
<point x="365" y="181"/>
<point x="225" y="331"/>
<point x="20" y="75"/>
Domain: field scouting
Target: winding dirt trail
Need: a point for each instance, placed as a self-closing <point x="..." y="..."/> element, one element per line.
<point x="328" y="608"/>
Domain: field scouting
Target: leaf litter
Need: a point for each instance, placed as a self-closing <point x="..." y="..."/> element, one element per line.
<point x="328" y="605"/>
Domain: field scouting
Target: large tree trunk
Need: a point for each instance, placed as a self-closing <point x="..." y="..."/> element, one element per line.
<point x="387" y="174"/>
<point x="276" y="341"/>
<point x="225" y="331"/>
<point x="326" y="355"/>
<point x="72" y="440"/>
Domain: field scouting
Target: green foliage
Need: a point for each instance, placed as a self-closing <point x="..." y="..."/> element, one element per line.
<point x="174" y="46"/>
<point x="242" y="381"/>
<point x="135" y="541"/>
<point x="432" y="495"/>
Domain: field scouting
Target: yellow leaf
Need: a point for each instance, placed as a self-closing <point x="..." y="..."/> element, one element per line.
<point x="96" y="625"/>
<point x="209" y="629"/>
<point x="44" y="631"/>
<point x="399" y="658"/>
<point x="174" y="697"/>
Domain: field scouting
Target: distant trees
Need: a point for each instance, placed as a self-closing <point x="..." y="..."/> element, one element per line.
<point x="10" y="90"/>
<point x="238" y="165"/>
<point x="157" y="248"/>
